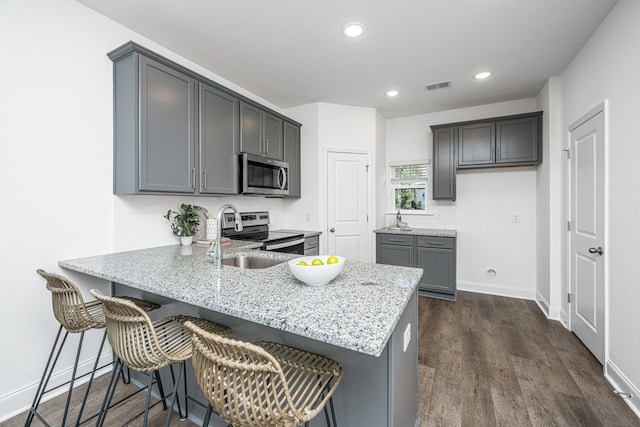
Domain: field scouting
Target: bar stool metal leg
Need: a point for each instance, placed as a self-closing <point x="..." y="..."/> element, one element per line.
<point x="46" y="375"/>
<point x="44" y="382"/>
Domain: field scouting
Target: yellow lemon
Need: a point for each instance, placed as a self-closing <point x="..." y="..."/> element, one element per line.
<point x="317" y="261"/>
<point x="302" y="263"/>
<point x="333" y="260"/>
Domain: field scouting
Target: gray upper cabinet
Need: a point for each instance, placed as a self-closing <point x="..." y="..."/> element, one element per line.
<point x="154" y="127"/>
<point x="260" y="132"/>
<point x="177" y="132"/>
<point x="218" y="141"/>
<point x="292" y="156"/>
<point x="501" y="141"/>
<point x="517" y="140"/>
<point x="476" y="144"/>
<point x="444" y="167"/>
<point x="497" y="142"/>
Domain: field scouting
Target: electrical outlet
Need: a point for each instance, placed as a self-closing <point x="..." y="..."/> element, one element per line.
<point x="515" y="218"/>
<point x="407" y="338"/>
<point x="307" y="217"/>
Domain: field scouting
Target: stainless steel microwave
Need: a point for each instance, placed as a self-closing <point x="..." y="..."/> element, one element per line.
<point x="264" y="176"/>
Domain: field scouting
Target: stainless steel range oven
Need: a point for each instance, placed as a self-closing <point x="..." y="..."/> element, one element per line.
<point x="255" y="227"/>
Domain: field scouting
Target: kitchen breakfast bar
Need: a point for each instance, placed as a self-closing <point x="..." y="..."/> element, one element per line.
<point x="366" y="318"/>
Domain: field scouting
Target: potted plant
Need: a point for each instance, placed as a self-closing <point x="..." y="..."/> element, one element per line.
<point x="184" y="224"/>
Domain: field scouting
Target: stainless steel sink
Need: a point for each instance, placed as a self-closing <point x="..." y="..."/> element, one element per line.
<point x="252" y="262"/>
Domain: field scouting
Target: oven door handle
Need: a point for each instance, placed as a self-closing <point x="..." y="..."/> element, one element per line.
<point x="283" y="245"/>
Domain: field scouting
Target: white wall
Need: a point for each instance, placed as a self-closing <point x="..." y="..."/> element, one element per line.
<point x="606" y="69"/>
<point x="56" y="174"/>
<point x="486" y="199"/>
<point x="551" y="231"/>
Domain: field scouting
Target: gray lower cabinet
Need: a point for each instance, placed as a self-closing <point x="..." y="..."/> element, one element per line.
<point x="437" y="258"/>
<point x="292" y="156"/>
<point x="312" y="245"/>
<point x="260" y="132"/>
<point x="435" y="255"/>
<point x="395" y="249"/>
<point x="218" y="141"/>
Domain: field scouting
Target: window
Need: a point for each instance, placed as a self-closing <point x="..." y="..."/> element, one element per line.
<point x="408" y="184"/>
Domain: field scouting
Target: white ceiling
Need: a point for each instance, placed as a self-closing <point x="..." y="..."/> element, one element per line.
<point x="292" y="52"/>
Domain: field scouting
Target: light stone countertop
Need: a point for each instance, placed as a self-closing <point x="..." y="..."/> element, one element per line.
<point x="358" y="310"/>
<point x="433" y="232"/>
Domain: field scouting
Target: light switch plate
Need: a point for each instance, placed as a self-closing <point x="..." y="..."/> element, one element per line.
<point x="407" y="337"/>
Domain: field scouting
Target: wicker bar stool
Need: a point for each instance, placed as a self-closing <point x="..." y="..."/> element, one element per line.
<point x="146" y="346"/>
<point x="75" y="316"/>
<point x="262" y="384"/>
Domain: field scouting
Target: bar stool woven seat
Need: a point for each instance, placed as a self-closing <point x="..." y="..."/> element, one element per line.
<point x="148" y="346"/>
<point x="264" y="383"/>
<point x="75" y="316"/>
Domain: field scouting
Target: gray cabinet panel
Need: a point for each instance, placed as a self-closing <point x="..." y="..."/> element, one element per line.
<point x="292" y="156"/>
<point x="218" y="141"/>
<point x="476" y="144"/>
<point x="396" y="255"/>
<point x="517" y="140"/>
<point x="312" y="245"/>
<point x="439" y="269"/>
<point x="260" y="132"/>
<point x="435" y="242"/>
<point x="167" y="142"/>
<point x="444" y="163"/>
<point x="396" y="239"/>
<point x="435" y="255"/>
<point x="272" y="136"/>
<point x="250" y="129"/>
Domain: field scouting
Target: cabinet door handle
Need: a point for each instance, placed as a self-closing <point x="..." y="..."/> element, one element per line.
<point x="396" y="240"/>
<point x="204" y="179"/>
<point x="266" y="145"/>
<point x="434" y="243"/>
<point x="193" y="178"/>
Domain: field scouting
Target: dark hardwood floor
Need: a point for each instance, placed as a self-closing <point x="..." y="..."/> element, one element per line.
<point x="483" y="361"/>
<point x="494" y="361"/>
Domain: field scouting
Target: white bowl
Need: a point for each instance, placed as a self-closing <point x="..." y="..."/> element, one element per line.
<point x="315" y="275"/>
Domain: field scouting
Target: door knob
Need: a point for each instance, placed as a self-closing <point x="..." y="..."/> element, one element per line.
<point x="597" y="250"/>
<point x="333" y="230"/>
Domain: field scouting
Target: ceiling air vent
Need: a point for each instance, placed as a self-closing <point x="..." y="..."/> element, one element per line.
<point x="438" y="85"/>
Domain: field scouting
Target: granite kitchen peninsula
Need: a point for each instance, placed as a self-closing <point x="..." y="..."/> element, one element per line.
<point x="366" y="318"/>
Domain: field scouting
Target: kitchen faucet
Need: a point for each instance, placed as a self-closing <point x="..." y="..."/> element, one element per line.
<point x="216" y="255"/>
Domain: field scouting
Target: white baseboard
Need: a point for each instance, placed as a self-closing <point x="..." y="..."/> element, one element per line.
<point x="542" y="303"/>
<point x="622" y="384"/>
<point x="552" y="312"/>
<point x="493" y="289"/>
<point x="20" y="400"/>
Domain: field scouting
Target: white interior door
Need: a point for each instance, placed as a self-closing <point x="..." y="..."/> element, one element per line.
<point x="347" y="206"/>
<point x="587" y="233"/>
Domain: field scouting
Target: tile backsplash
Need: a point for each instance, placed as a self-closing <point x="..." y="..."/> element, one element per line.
<point x="138" y="220"/>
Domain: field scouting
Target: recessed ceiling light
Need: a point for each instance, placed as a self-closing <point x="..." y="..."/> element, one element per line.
<point x="392" y="93"/>
<point x="353" y="29"/>
<point x="483" y="75"/>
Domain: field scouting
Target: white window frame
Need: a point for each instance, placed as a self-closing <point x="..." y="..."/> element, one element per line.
<point x="393" y="183"/>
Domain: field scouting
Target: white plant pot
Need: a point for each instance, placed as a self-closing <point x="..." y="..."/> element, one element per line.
<point x="186" y="240"/>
